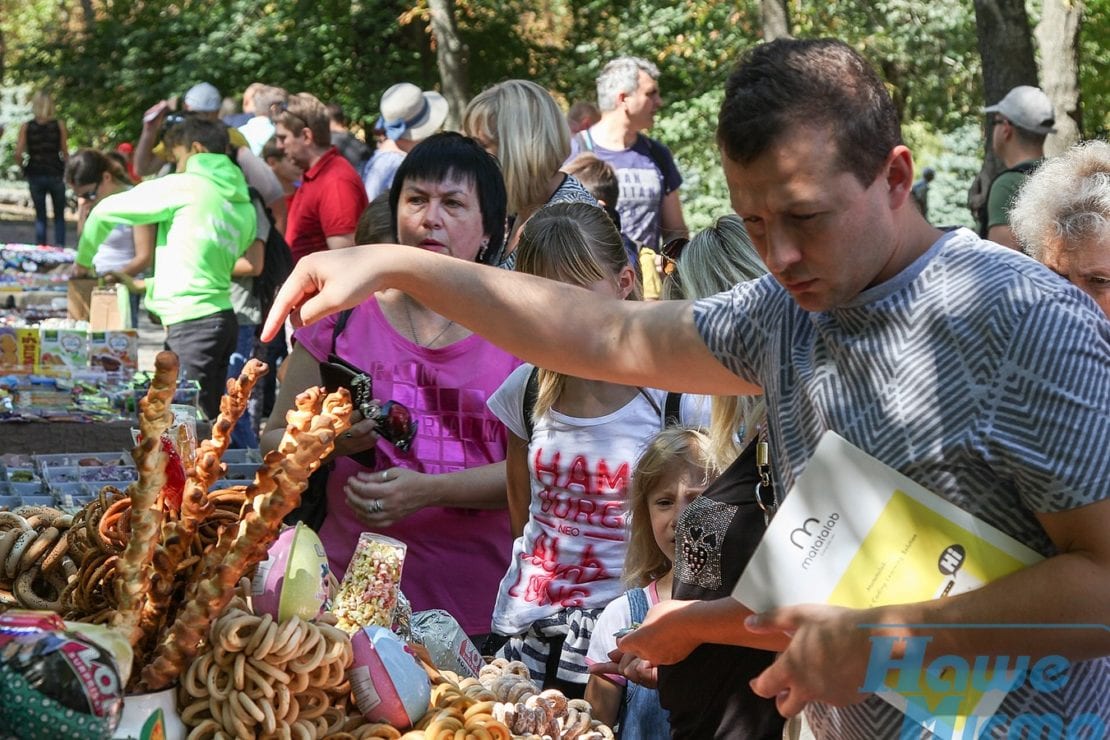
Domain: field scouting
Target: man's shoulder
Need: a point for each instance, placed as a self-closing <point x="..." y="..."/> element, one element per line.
<point x="332" y="167"/>
<point x="988" y="274"/>
<point x="649" y="144"/>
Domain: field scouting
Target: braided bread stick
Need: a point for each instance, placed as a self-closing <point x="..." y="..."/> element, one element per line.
<point x="178" y="535"/>
<point x="133" y="569"/>
<point x="309" y="437"/>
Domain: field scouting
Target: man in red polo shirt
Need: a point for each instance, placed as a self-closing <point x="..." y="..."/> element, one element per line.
<point x="325" y="209"/>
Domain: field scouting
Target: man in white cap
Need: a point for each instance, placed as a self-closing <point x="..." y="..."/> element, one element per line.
<point x="408" y="116"/>
<point x="1022" y="120"/>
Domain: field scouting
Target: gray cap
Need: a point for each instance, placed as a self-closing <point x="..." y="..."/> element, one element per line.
<point x="203" y="97"/>
<point x="1027" y="108"/>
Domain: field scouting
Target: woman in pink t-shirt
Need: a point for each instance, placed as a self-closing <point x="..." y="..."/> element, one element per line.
<point x="445" y="497"/>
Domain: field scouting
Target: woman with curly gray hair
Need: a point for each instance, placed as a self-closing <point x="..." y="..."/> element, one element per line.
<point x="1061" y="216"/>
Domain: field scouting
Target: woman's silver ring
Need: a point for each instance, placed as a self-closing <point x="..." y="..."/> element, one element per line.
<point x="375" y="506"/>
<point x="385" y="476"/>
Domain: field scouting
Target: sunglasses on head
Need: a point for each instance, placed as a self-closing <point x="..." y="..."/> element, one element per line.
<point x="671" y="251"/>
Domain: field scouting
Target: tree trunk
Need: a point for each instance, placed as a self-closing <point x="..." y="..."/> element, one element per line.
<point x="776" y="19"/>
<point x="1058" y="39"/>
<point x="1006" y="48"/>
<point x="88" y="15"/>
<point x="451" y="59"/>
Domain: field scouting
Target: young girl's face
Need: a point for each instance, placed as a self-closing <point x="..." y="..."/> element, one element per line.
<point x="667" y="501"/>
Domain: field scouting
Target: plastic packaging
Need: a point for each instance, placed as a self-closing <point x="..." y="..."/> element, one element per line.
<point x="447" y="644"/>
<point x="293" y="580"/>
<point x="54" y="683"/>
<point x="368" y="593"/>
<point x="387" y="682"/>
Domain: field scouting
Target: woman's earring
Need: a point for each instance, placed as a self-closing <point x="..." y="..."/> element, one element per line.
<point x="482" y="249"/>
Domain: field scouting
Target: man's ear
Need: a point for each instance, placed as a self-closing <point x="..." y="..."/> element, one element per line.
<point x="197" y="148"/>
<point x="899" y="175"/>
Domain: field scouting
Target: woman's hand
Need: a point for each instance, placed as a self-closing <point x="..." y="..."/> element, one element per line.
<point x="362" y="435"/>
<point x="132" y="284"/>
<point x="384" y="497"/>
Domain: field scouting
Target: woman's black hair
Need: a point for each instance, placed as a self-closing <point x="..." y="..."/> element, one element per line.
<point x="452" y="156"/>
<point x="87" y="166"/>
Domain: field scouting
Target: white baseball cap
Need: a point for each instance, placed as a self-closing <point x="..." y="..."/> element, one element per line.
<point x="203" y="97"/>
<point x="1028" y="108"/>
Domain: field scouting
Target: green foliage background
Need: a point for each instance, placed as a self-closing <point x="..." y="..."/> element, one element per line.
<point x="104" y="73"/>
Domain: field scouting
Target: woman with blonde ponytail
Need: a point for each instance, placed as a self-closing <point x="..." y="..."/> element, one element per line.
<point x="571" y="454"/>
<point x="717" y="533"/>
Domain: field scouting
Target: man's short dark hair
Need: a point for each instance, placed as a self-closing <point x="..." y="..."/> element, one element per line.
<point x="822" y="82"/>
<point x="336" y="114"/>
<point x="212" y="135"/>
<point x="452" y="156"/>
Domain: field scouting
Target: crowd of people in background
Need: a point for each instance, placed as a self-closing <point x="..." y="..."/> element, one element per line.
<point x="556" y="467"/>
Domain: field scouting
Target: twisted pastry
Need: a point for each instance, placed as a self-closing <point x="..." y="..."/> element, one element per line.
<point x="178" y="535"/>
<point x="276" y="490"/>
<point x="133" y="569"/>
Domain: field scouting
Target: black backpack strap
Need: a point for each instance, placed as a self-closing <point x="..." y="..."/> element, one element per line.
<point x="655" y="153"/>
<point x="531" y="392"/>
<point x="340" y="325"/>
<point x="672" y="410"/>
<point x="984" y="213"/>
<point x="652" y="401"/>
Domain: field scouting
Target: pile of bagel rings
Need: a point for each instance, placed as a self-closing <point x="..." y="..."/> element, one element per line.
<point x="35" y="564"/>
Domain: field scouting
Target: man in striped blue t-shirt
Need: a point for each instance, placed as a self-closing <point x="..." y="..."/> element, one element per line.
<point x="966" y="366"/>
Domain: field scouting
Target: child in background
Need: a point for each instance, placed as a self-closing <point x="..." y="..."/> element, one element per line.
<point x="675" y="468"/>
<point x="599" y="177"/>
<point x="573" y="443"/>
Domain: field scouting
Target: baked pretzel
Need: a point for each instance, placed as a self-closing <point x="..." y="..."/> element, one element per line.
<point x="178" y="534"/>
<point x="276" y="490"/>
<point x="133" y="570"/>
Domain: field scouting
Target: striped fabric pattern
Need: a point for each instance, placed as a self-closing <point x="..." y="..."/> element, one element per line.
<point x="976" y="372"/>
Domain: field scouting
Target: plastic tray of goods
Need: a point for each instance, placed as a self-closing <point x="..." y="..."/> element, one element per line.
<point x="77" y="502"/>
<point x="107" y="473"/>
<point x="67" y="494"/>
<point x="120" y="485"/>
<point x="241" y="472"/>
<point x="40" y="499"/>
<point x="87" y="459"/>
<point x="8" y="502"/>
<point x="25" y="487"/>
<point x="23" y="475"/>
<point x="56" y="475"/>
<point x="245" y="455"/>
